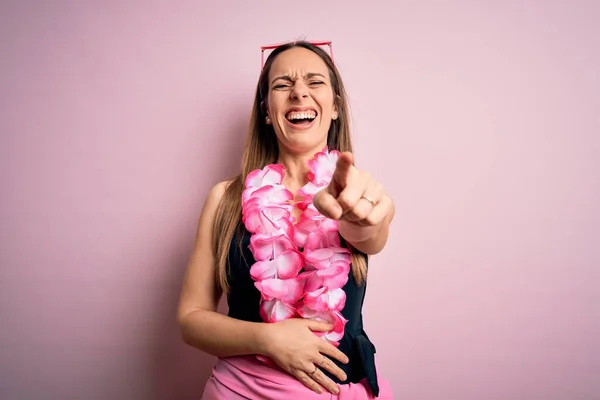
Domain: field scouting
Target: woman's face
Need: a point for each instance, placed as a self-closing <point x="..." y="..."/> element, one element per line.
<point x="301" y="102"/>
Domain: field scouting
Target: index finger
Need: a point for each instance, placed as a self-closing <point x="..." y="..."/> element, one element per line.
<point x="342" y="168"/>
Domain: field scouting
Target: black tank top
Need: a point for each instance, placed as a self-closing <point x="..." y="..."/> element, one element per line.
<point x="244" y="300"/>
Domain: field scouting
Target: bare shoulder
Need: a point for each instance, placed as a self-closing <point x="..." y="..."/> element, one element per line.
<point x="215" y="194"/>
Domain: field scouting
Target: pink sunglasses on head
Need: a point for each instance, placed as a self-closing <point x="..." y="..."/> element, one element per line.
<point x="274" y="46"/>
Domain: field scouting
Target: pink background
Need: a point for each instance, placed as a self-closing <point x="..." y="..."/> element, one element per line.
<point x="482" y="120"/>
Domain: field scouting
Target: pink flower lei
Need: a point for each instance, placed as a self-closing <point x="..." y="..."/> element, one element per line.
<point x="300" y="268"/>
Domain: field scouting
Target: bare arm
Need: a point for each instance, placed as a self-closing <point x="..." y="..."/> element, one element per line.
<point x="200" y="324"/>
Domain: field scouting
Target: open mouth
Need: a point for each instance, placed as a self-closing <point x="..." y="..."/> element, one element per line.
<point x="300" y="118"/>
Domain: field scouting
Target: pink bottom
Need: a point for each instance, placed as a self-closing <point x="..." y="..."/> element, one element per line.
<point x="237" y="378"/>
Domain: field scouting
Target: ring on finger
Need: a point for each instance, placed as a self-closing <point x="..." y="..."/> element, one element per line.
<point x="367" y="198"/>
<point x="322" y="361"/>
<point x="313" y="372"/>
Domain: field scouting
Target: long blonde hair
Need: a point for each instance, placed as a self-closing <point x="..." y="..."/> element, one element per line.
<point x="261" y="149"/>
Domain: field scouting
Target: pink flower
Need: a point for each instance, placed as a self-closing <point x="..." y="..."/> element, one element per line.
<point x="337" y="333"/>
<point x="322" y="239"/>
<point x="267" y="247"/>
<point x="276" y="310"/>
<point x="303" y="228"/>
<point x="331" y="278"/>
<point x="313" y="214"/>
<point x="272" y="174"/>
<point x="268" y="220"/>
<point x="326" y="257"/>
<point x="267" y="196"/>
<point x="307" y="192"/>
<point x="322" y="166"/>
<point x="287" y="290"/>
<point x="305" y="312"/>
<point x="334" y="317"/>
<point x="323" y="299"/>
<point x="269" y="177"/>
<point x="279" y="297"/>
<point x="325" y="230"/>
<point x="285" y="266"/>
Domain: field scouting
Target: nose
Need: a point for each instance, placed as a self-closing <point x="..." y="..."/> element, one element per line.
<point x="300" y="90"/>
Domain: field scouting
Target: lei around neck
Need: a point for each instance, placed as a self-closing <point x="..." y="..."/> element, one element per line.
<point x="300" y="266"/>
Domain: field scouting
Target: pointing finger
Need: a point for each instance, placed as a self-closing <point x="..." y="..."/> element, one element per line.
<point x="350" y="195"/>
<point x="343" y="169"/>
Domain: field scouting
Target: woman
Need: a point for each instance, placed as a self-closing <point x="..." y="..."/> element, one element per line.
<point x="288" y="241"/>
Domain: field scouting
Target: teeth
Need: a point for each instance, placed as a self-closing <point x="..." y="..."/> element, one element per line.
<point x="301" y="115"/>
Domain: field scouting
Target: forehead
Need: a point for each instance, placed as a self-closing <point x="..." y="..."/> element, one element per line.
<point x="297" y="61"/>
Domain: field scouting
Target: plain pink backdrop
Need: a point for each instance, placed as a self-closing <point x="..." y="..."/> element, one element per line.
<point x="482" y="120"/>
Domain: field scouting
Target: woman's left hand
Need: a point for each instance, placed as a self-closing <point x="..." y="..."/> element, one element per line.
<point x="355" y="198"/>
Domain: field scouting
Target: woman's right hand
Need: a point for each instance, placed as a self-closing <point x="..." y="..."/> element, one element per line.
<point x="293" y="345"/>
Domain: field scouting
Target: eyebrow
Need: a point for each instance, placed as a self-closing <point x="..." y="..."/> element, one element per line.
<point x="289" y="79"/>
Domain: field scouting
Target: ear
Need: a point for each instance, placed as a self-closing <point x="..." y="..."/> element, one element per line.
<point x="335" y="113"/>
<point x="265" y="112"/>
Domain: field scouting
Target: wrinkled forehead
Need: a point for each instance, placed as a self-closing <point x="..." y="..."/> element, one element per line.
<point x="297" y="63"/>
